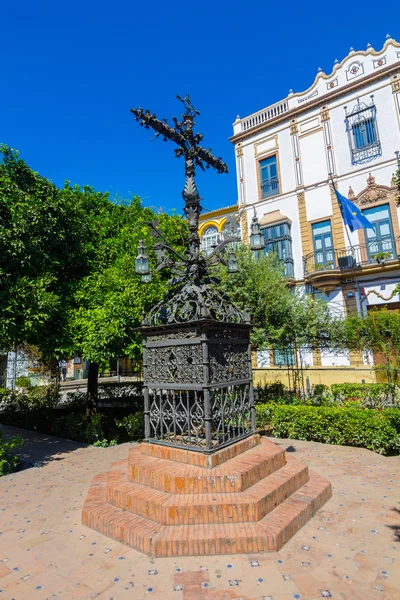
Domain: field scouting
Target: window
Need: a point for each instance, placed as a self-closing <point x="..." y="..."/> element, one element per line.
<point x="364" y="133"/>
<point x="278" y="239"/>
<point x="284" y="357"/>
<point x="210" y="239"/>
<point x="323" y="245"/>
<point x="362" y="130"/>
<point x="269" y="177"/>
<point x="380" y="243"/>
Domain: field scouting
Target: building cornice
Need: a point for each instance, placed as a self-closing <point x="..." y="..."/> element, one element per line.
<point x="332" y="95"/>
<point x="218" y="212"/>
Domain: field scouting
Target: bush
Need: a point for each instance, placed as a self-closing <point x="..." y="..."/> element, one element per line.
<point x="30" y="409"/>
<point x="275" y="392"/>
<point x="125" y="393"/>
<point x="8" y="460"/>
<point x="23" y="382"/>
<point x="133" y="424"/>
<point x="371" y="395"/>
<point x="82" y="428"/>
<point x="352" y="426"/>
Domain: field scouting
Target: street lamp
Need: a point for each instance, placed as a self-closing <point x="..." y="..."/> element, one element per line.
<point x="142" y="265"/>
<point x="197" y="383"/>
<point x="257" y="241"/>
<point x="232" y="262"/>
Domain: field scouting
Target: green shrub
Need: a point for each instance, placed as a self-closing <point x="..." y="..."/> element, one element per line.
<point x="83" y="428"/>
<point x="371" y="395"/>
<point x="133" y="424"/>
<point x="23" y="382"/>
<point x="8" y="460"/>
<point x="30" y="409"/>
<point x="393" y="415"/>
<point x="367" y="428"/>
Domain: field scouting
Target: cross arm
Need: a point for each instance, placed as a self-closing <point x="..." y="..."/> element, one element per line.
<point x="144" y="117"/>
<point x="213" y="161"/>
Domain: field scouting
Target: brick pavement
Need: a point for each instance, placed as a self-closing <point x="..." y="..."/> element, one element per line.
<point x="349" y="550"/>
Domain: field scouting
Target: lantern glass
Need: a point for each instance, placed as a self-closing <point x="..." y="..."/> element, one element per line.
<point x="142" y="265"/>
<point x="257" y="241"/>
<point x="232" y="263"/>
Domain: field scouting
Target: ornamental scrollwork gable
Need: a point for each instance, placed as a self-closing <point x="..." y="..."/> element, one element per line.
<point x="374" y="192"/>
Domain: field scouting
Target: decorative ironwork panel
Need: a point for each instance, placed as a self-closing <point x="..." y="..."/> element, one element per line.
<point x="178" y="335"/>
<point x="231" y="410"/>
<point x="177" y="417"/>
<point x="363" y="134"/>
<point x="175" y="364"/>
<point x="228" y="362"/>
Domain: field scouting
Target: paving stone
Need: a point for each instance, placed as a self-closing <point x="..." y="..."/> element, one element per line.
<point x="61" y="553"/>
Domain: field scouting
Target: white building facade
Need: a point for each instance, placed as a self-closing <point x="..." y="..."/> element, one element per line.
<point x="345" y="128"/>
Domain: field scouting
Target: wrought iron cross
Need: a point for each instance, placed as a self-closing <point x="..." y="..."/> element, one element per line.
<point x="195" y="155"/>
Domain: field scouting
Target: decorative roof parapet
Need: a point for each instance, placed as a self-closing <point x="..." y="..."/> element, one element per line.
<point x="356" y="64"/>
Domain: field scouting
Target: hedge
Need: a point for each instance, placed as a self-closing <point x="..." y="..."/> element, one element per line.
<point x="367" y="428"/>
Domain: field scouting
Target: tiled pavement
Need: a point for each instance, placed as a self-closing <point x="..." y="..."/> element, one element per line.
<point x="350" y="549"/>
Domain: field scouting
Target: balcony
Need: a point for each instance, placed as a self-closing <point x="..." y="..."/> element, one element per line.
<point x="325" y="270"/>
<point x="269" y="187"/>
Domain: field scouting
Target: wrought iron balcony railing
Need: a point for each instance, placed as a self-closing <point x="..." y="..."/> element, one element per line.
<point x="269" y="187"/>
<point x="379" y="251"/>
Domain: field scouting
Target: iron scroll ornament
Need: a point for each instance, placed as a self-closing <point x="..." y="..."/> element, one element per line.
<point x="192" y="294"/>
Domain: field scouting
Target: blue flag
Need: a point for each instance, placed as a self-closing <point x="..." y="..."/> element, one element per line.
<point x="352" y="215"/>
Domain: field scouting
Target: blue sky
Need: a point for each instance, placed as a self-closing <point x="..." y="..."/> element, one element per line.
<point x="70" y="72"/>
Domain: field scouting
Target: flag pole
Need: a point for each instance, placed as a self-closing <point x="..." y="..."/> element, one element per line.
<point x="359" y="307"/>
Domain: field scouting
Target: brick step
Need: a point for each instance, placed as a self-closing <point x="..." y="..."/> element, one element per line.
<point x="235" y="475"/>
<point x="268" y="535"/>
<point x="233" y="507"/>
<point x="189" y="457"/>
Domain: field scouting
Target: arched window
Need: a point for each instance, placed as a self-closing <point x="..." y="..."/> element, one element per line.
<point x="209" y="239"/>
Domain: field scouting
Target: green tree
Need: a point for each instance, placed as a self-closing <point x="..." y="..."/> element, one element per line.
<point x="283" y="316"/>
<point x="67" y="281"/>
<point x="106" y="311"/>
<point x="377" y="332"/>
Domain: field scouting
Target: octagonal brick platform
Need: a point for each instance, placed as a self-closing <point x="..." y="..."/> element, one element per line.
<point x="249" y="497"/>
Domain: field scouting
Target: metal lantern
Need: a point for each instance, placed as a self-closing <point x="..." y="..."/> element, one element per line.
<point x="257" y="241"/>
<point x="232" y="263"/>
<point x="142" y="265"/>
<point x="147" y="278"/>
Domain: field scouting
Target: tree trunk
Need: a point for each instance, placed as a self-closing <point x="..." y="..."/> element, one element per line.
<point x="54" y="369"/>
<point x="92" y="385"/>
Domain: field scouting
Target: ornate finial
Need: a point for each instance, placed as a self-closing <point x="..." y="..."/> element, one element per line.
<point x="290" y="92"/>
<point x="351" y="193"/>
<point x="237" y="118"/>
<point x="351" y="50"/>
<point x="189" y="108"/>
<point x="336" y="62"/>
<point x="388" y="36"/>
<point x="370" y="180"/>
<point x="369" y="46"/>
<point x="319" y="70"/>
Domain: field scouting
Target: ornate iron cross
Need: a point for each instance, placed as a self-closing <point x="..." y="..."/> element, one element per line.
<point x="195" y="155"/>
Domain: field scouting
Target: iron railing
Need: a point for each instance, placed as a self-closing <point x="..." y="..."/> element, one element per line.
<point x="379" y="251"/>
<point x="269" y="187"/>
